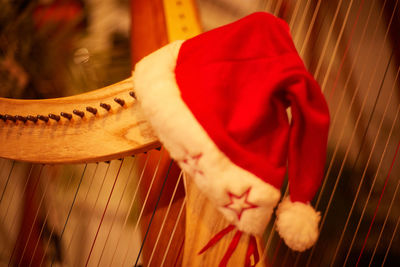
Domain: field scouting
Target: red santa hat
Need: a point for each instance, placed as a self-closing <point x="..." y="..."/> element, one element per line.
<point x="218" y="102"/>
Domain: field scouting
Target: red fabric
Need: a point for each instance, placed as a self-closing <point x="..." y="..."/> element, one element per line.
<point x="217" y="238"/>
<point x="231" y="249"/>
<point x="252" y="250"/>
<point x="238" y="81"/>
<point x="232" y="245"/>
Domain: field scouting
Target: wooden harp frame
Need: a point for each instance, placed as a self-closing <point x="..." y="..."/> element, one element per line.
<point x="112" y="117"/>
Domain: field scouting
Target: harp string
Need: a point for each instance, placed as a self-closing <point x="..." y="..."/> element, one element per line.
<point x="328" y="37"/>
<point x="391" y="240"/>
<point x="43" y="224"/>
<point x="350" y="142"/>
<point x="268" y="5"/>
<point x="296" y="33"/>
<point x="272" y="232"/>
<point x="53" y="229"/>
<point x="372" y="186"/>
<point x="39" y="208"/>
<point x="348" y="46"/>
<point x="104" y="212"/>
<point x="173" y="231"/>
<point x="331" y="93"/>
<point x="19" y="237"/>
<point x="41" y="233"/>
<point x="275" y="255"/>
<point x="117" y="209"/>
<point x="12" y="200"/>
<point x="179" y="253"/>
<point x="277" y="7"/>
<point x="285" y="257"/>
<point x="130" y="207"/>
<point x="45" y="199"/>
<point x="351" y="71"/>
<point x="321" y="58"/>
<point x="384" y="223"/>
<point x="7" y="181"/>
<point x="14" y="218"/>
<point x="350" y="39"/>
<point x="379" y="202"/>
<point x="301" y="23"/>
<point x="294" y="15"/>
<point x="47" y="245"/>
<point x="347" y="117"/>
<point x="364" y="172"/>
<point x="73" y="202"/>
<point x="165" y="219"/>
<point x="357" y="121"/>
<point x="356" y="57"/>
<point x="360" y="149"/>
<point x="144" y="205"/>
<point x="92" y="210"/>
<point x="310" y="27"/>
<point x="70" y="209"/>
<point x="154" y="211"/>
<point x="81" y="210"/>
<point x="323" y="85"/>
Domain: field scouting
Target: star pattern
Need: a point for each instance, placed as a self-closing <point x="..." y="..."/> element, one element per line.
<point x="240" y="203"/>
<point x="192" y="163"/>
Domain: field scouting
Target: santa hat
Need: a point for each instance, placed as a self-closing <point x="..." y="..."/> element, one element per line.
<point x="218" y="102"/>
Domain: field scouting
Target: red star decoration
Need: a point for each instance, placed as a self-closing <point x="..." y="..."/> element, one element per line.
<point x="239" y="204"/>
<point x="192" y="163"/>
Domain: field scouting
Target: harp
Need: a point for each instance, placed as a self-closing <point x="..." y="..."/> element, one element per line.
<point x="350" y="46"/>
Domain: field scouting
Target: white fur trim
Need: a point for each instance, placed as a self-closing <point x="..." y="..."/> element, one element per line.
<point x="188" y="143"/>
<point x="297" y="224"/>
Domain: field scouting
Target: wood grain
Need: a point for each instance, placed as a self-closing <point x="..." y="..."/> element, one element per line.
<point x="149" y="33"/>
<point x="119" y="132"/>
<point x="148" y="29"/>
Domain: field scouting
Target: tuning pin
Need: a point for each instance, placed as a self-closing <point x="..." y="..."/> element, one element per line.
<point x="66" y="115"/>
<point x="21" y="118"/>
<point x="10" y="118"/>
<point x="78" y="113"/>
<point x="120" y="101"/>
<point x="132" y="94"/>
<point x="105" y="106"/>
<point x="92" y="110"/>
<point x="32" y="118"/>
<point x="54" y="117"/>
<point x="43" y="118"/>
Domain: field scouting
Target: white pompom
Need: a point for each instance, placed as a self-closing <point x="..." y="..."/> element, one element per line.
<point x="297" y="224"/>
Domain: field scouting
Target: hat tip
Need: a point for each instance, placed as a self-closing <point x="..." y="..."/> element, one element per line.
<point x="297" y="224"/>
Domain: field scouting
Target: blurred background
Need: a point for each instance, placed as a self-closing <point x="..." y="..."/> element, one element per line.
<point x="53" y="48"/>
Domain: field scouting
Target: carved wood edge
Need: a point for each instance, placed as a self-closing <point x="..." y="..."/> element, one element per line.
<point x="100" y="125"/>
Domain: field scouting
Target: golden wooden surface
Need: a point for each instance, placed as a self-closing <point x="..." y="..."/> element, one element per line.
<point x="107" y="135"/>
<point x="161" y="21"/>
<point x="203" y="221"/>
